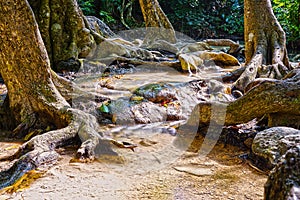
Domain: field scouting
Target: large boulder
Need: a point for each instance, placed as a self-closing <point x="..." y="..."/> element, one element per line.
<point x="284" y="180"/>
<point x="271" y="144"/>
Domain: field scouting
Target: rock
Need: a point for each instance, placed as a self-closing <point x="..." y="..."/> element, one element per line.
<point x="120" y="109"/>
<point x="147" y="143"/>
<point x="197" y="46"/>
<point x="190" y="62"/>
<point x="148" y="112"/>
<point x="108" y="50"/>
<point x="162" y="45"/>
<point x="284" y="181"/>
<point x="174" y="111"/>
<point x="99" y="26"/>
<point x="194" y="170"/>
<point x="269" y="145"/>
<point x="157" y="92"/>
<point x="220" y="58"/>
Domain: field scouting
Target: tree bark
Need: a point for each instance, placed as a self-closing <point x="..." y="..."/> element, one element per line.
<point x="265" y="43"/>
<point x="158" y="25"/>
<point x="283" y="181"/>
<point x="34" y="100"/>
<point x="63" y="29"/>
<point x="277" y="100"/>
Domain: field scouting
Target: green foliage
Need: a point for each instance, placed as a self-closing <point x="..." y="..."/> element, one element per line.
<point x="197" y="18"/>
<point x="87" y="7"/>
<point x="288" y="15"/>
<point x="106" y="17"/>
<point x="109" y="11"/>
<point x="201" y="19"/>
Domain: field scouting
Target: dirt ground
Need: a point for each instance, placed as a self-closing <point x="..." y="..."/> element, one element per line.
<point x="144" y="175"/>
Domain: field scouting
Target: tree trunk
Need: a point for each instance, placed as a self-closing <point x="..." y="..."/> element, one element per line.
<point x="34" y="100"/>
<point x="63" y="29"/>
<point x="157" y="23"/>
<point x="283" y="181"/>
<point x="28" y="92"/>
<point x="276" y="100"/>
<point x="265" y="43"/>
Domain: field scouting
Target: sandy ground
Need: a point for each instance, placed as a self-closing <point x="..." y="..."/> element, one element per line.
<point x="144" y="175"/>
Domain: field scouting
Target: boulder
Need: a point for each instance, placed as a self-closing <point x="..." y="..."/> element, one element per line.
<point x="148" y="112"/>
<point x="271" y="144"/>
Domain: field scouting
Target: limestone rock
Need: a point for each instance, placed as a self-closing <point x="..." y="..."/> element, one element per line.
<point x="269" y="145"/>
<point x="148" y="112"/>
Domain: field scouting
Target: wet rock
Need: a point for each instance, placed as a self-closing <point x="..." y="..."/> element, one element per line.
<point x="148" y="112"/>
<point x="269" y="145"/>
<point x="119" y="68"/>
<point x="179" y="99"/>
<point x="157" y="102"/>
<point x="284" y="180"/>
<point x="121" y="112"/>
<point x="157" y="92"/>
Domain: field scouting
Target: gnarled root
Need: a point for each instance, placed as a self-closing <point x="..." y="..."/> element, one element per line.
<point x="40" y="150"/>
<point x="267" y="97"/>
<point x="266" y="57"/>
<point x="249" y="74"/>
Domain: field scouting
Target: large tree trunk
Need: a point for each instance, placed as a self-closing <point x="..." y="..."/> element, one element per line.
<point x="63" y="29"/>
<point x="157" y="23"/>
<point x="20" y="56"/>
<point x="265" y="43"/>
<point x="35" y="95"/>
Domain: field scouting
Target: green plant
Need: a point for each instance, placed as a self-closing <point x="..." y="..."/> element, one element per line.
<point x="288" y="14"/>
<point x="106" y="17"/>
<point x="200" y="19"/>
<point x="87" y="7"/>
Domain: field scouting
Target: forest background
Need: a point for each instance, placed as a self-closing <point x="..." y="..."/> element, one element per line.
<point x="197" y="18"/>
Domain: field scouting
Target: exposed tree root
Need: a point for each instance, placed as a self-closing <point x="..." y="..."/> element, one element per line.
<point x="270" y="98"/>
<point x="249" y="74"/>
<point x="265" y="47"/>
<point x="257" y="69"/>
<point x="70" y="91"/>
<point x="234" y="47"/>
<point x="40" y="150"/>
